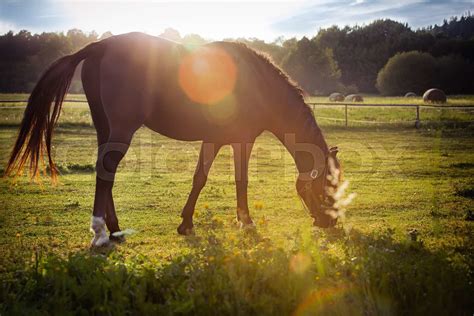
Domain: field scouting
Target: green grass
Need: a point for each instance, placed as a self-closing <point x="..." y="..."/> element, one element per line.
<point x="404" y="178"/>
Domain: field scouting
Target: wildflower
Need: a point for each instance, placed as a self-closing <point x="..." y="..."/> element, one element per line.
<point x="258" y="205"/>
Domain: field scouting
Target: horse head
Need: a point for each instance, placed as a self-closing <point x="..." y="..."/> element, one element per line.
<point x="317" y="189"/>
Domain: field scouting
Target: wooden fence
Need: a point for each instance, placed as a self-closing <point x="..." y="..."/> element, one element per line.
<point x="314" y="105"/>
<point x="415" y="106"/>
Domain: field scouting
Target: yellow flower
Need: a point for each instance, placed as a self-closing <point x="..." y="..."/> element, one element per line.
<point x="258" y="205"/>
<point x="263" y="221"/>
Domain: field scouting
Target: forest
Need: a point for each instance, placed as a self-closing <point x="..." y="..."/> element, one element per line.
<point x="347" y="59"/>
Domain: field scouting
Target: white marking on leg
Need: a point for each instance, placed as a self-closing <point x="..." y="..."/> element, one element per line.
<point x="100" y="233"/>
<point x="128" y="231"/>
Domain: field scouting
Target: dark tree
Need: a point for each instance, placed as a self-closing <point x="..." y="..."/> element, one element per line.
<point x="313" y="67"/>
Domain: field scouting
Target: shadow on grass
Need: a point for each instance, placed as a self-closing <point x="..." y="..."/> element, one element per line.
<point x="76" y="168"/>
<point x="467" y="193"/>
<point x="247" y="274"/>
<point x="463" y="165"/>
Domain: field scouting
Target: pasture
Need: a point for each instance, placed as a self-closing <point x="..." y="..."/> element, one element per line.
<point x="405" y="246"/>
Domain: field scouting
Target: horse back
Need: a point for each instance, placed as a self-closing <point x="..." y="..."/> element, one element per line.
<point x="145" y="74"/>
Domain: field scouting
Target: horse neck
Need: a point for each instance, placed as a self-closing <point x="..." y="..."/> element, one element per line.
<point x="300" y="134"/>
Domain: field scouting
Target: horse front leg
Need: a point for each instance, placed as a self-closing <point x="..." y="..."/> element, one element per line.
<point x="206" y="157"/>
<point x="242" y="153"/>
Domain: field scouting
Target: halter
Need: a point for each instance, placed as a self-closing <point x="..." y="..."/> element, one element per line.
<point x="313" y="174"/>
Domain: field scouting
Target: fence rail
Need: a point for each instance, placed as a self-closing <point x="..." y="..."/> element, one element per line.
<point x="468" y="107"/>
<point x="26" y="101"/>
<point x="417" y="107"/>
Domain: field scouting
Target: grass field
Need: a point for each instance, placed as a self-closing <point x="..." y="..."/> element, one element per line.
<point x="406" y="245"/>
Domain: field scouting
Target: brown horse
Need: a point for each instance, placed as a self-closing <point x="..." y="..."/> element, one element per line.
<point x="220" y="93"/>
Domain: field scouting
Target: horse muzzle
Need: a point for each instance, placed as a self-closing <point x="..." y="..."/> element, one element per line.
<point x="323" y="218"/>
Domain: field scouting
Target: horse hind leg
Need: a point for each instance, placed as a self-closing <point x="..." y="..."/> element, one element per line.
<point x="91" y="84"/>
<point x="109" y="156"/>
<point x="112" y="146"/>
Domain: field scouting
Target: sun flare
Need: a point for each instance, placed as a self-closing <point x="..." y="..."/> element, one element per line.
<point x="207" y="75"/>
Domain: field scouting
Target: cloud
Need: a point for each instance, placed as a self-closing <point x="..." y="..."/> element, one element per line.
<point x="41" y="15"/>
<point x="416" y="13"/>
<point x="6" y="26"/>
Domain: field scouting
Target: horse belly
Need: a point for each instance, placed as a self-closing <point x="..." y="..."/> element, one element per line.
<point x="191" y="121"/>
<point x="180" y="124"/>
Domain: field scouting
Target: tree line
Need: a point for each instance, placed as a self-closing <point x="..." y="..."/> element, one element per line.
<point x="344" y="59"/>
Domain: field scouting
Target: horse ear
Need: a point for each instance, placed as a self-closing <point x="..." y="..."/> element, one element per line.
<point x="333" y="151"/>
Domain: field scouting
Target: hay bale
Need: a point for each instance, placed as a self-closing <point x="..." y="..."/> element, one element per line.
<point x="410" y="95"/>
<point x="336" y="97"/>
<point x="434" y="96"/>
<point x="354" y="98"/>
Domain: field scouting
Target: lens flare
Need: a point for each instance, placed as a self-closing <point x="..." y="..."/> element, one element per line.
<point x="299" y="263"/>
<point x="223" y="111"/>
<point x="317" y="300"/>
<point x="207" y="75"/>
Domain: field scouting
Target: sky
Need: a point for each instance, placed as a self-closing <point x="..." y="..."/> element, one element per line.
<point x="217" y="20"/>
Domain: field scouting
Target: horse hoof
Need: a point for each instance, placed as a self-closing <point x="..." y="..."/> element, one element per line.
<point x="247" y="226"/>
<point x="185" y="229"/>
<point x="117" y="238"/>
<point x="100" y="242"/>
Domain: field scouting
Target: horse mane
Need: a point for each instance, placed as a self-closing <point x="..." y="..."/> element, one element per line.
<point x="268" y="62"/>
<point x="304" y="111"/>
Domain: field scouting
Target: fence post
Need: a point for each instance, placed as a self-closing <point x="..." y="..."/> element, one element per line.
<point x="417" y="122"/>
<point x="346" y="113"/>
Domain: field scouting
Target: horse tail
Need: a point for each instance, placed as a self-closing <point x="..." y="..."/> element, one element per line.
<point x="42" y="113"/>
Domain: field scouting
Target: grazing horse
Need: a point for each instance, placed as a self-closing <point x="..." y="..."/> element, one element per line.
<point x="220" y="93"/>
